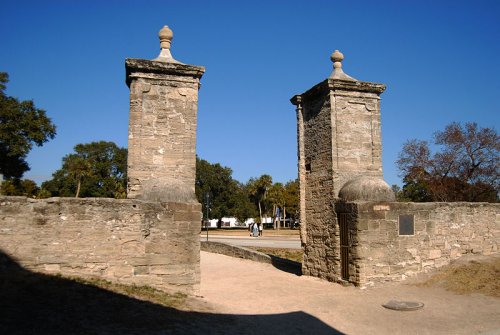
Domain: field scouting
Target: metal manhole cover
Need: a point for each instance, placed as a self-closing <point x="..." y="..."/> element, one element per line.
<point x="403" y="305"/>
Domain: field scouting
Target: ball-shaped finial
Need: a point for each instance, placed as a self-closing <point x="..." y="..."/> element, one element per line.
<point x="165" y="36"/>
<point x="337" y="58"/>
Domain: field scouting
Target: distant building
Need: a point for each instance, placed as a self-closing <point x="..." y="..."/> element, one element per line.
<point x="227" y="222"/>
<point x="248" y="222"/>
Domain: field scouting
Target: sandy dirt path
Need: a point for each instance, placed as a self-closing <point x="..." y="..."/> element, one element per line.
<point x="270" y="301"/>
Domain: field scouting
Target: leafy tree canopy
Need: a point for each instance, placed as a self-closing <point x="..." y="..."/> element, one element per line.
<point x="466" y="167"/>
<point x="292" y="197"/>
<point x="18" y="187"/>
<point x="226" y="195"/>
<point x="257" y="189"/>
<point x="285" y="197"/>
<point x="230" y="198"/>
<point x="96" y="169"/>
<point x="21" y="126"/>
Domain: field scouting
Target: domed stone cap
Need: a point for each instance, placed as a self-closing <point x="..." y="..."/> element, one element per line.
<point x="366" y="188"/>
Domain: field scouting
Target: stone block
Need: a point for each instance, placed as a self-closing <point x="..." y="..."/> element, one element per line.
<point x="120" y="271"/>
<point x="190" y="216"/>
<point x="52" y="267"/>
<point x="433" y="254"/>
<point x="441" y="262"/>
<point x="373" y="225"/>
<point x="427" y="264"/>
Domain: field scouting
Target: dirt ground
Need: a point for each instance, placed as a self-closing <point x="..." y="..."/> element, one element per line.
<point x="238" y="297"/>
<point x="262" y="299"/>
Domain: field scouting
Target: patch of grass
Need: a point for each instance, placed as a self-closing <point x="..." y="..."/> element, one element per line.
<point x="145" y="293"/>
<point x="473" y="277"/>
<point x="291" y="254"/>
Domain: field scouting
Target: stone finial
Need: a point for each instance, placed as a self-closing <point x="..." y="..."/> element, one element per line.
<point x="166" y="35"/>
<point x="338" y="73"/>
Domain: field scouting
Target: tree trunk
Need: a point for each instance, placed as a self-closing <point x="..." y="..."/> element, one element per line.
<point x="274" y="216"/>
<point x="284" y="216"/>
<point x="78" y="188"/>
<point x="260" y="214"/>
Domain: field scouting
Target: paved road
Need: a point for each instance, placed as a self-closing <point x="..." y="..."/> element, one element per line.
<point x="266" y="242"/>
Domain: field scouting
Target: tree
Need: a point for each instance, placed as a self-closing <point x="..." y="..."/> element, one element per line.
<point x="292" y="197"/>
<point x="276" y="196"/>
<point x="77" y="168"/>
<point x="21" y="126"/>
<point x="285" y="197"/>
<point x="18" y="187"/>
<point x="96" y="169"/>
<point x="243" y="208"/>
<point x="466" y="168"/>
<point x="227" y="196"/>
<point x="257" y="189"/>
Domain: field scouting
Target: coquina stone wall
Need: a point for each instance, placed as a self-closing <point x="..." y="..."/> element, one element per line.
<point x="442" y="232"/>
<point x="162" y="130"/>
<point x="346" y="236"/>
<point x="317" y="184"/>
<point x="127" y="241"/>
<point x="339" y="138"/>
<point x="152" y="238"/>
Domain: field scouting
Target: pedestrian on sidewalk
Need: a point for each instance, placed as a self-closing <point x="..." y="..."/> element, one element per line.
<point x="255" y="230"/>
<point x="261" y="228"/>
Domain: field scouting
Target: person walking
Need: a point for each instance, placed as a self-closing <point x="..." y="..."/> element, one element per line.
<point x="255" y="230"/>
<point x="261" y="228"/>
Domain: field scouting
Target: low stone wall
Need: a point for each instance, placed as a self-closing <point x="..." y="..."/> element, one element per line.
<point x="238" y="252"/>
<point x="253" y="255"/>
<point x="126" y="241"/>
<point x="384" y="244"/>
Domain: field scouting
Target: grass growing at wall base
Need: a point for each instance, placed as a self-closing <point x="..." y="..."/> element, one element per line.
<point x="291" y="254"/>
<point x="38" y="303"/>
<point x="145" y="293"/>
<point x="474" y="277"/>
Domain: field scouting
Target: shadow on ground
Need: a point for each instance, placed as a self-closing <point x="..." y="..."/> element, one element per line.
<point x="34" y="303"/>
<point x="286" y="265"/>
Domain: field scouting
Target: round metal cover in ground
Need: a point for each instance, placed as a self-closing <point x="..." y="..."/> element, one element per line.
<point x="403" y="305"/>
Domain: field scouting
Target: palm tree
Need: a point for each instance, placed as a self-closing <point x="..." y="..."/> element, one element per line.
<point x="277" y="197"/>
<point x="77" y="168"/>
<point x="257" y="188"/>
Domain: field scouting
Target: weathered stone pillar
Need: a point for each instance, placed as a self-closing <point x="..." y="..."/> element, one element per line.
<point x="339" y="139"/>
<point x="162" y="126"/>
<point x="341" y="127"/>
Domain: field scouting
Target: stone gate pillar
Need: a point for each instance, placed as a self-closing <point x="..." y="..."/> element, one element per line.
<point x="162" y="126"/>
<point x="339" y="139"/>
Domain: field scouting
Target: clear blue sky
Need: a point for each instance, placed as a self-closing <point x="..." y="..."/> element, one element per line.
<point x="440" y="61"/>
